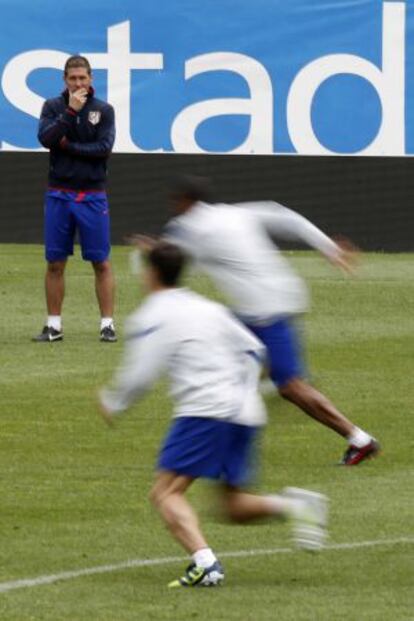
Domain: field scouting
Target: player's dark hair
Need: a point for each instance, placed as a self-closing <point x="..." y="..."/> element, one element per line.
<point x="192" y="187"/>
<point x="168" y="261"/>
<point x="77" y="61"/>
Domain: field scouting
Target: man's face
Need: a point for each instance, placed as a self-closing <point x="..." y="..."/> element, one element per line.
<point x="76" y="78"/>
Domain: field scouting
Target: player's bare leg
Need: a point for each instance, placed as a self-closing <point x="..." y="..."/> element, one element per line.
<point x="316" y="405"/>
<point x="167" y="495"/>
<point x="55" y="286"/>
<point x="55" y="292"/>
<point x="307" y="510"/>
<point x="105" y="289"/>
<point x="241" y="506"/>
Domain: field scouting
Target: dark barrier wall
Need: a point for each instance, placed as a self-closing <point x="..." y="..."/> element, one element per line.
<point x="370" y="200"/>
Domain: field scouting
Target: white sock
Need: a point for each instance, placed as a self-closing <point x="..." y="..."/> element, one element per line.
<point x="281" y="506"/>
<point x="359" y="438"/>
<point x="55" y="322"/>
<point x="107" y="322"/>
<point x="204" y="557"/>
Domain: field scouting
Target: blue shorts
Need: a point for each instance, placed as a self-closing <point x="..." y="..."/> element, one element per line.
<point x="68" y="212"/>
<point x="284" y="351"/>
<point x="209" y="448"/>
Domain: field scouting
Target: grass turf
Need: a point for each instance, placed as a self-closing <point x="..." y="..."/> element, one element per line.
<point x="74" y="494"/>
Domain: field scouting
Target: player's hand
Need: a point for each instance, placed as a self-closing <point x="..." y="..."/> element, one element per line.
<point x="145" y="243"/>
<point x="347" y="257"/>
<point x="77" y="99"/>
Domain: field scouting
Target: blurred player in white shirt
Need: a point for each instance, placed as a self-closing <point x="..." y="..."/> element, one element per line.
<point x="213" y="364"/>
<point x="233" y="245"/>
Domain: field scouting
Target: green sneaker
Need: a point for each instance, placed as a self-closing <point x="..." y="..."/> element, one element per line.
<point x="200" y="576"/>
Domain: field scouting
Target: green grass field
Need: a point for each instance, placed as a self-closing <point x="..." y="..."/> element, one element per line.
<point x="74" y="493"/>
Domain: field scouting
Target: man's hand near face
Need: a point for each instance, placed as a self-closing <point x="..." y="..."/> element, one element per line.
<point x="77" y="99"/>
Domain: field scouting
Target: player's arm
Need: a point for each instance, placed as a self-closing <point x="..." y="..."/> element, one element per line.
<point x="53" y="127"/>
<point x="102" y="146"/>
<point x="252" y="354"/>
<point x="243" y="340"/>
<point x="287" y="224"/>
<point x="143" y="362"/>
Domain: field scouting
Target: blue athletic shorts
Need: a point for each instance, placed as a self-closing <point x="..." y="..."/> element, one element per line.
<point x="68" y="212"/>
<point x="210" y="448"/>
<point x="284" y="351"/>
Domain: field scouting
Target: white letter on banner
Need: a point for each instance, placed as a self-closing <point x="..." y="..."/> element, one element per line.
<point x="259" y="106"/>
<point x="119" y="61"/>
<point x="14" y="84"/>
<point x="389" y="84"/>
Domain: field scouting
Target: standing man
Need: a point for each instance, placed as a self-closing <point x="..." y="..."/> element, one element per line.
<point x="232" y="244"/>
<point x="79" y="131"/>
<point x="213" y="364"/>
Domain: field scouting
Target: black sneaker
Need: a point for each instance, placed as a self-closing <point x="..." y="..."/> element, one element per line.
<point x="108" y="335"/>
<point x="354" y="455"/>
<point x="48" y="335"/>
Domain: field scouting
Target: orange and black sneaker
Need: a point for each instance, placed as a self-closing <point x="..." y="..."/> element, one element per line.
<point x="354" y="455"/>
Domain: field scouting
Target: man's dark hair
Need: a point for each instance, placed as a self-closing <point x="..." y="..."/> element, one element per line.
<point x="168" y="261"/>
<point x="77" y="61"/>
<point x="192" y="187"/>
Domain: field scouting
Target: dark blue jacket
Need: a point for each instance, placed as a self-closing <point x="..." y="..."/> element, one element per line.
<point x="79" y="142"/>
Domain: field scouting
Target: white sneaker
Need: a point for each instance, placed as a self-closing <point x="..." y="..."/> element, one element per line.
<point x="309" y="516"/>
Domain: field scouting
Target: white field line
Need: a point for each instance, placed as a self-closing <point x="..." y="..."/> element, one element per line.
<point x="103" y="569"/>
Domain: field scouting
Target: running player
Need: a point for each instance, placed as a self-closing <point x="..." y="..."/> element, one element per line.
<point x="79" y="131"/>
<point x="213" y="364"/>
<point x="232" y="245"/>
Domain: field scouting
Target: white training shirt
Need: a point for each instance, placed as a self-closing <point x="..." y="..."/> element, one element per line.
<point x="232" y="244"/>
<point x="212" y="362"/>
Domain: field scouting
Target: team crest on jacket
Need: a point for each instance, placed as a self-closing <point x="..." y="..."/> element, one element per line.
<point x="94" y="117"/>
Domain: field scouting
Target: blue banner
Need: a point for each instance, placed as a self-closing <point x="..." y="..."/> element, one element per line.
<point x="237" y="76"/>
